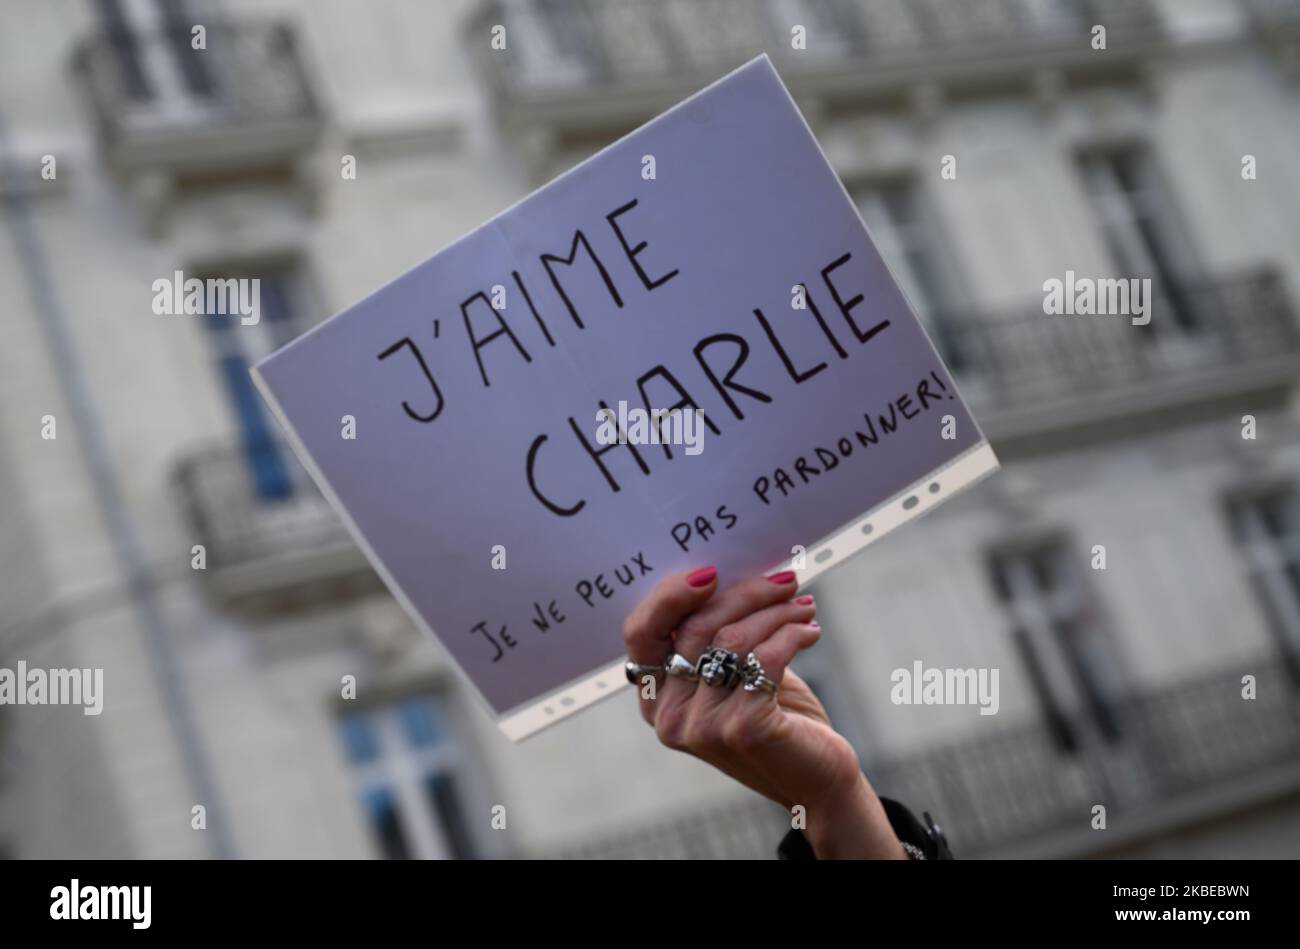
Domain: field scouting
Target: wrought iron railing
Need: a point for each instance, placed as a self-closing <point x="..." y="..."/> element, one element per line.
<point x="1195" y="327"/>
<point x="990" y="792"/>
<point x="997" y="791"/>
<point x="748" y="829"/>
<point x="247" y="74"/>
<point x="601" y="43"/>
<point x="240" y="522"/>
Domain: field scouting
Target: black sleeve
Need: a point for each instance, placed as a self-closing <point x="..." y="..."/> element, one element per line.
<point x="926" y="836"/>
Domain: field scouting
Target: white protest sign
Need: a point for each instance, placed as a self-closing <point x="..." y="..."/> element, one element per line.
<point x="495" y="496"/>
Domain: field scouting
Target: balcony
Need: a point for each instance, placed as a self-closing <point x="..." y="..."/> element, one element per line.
<point x="1040" y="378"/>
<point x="267" y="548"/>
<point x="245" y="101"/>
<point x="1191" y="752"/>
<point x="602" y="65"/>
<point x="1196" y="749"/>
<point x="748" y="829"/>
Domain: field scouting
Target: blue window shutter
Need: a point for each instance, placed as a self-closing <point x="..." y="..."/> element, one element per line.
<point x="265" y="461"/>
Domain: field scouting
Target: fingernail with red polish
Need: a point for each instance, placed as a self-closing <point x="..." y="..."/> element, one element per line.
<point x="804" y="600"/>
<point x="785" y="576"/>
<point x="702" y="577"/>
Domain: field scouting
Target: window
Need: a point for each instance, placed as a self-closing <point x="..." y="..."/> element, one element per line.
<point x="127" y="49"/>
<point x="406" y="766"/>
<point x="1267" y="527"/>
<point x="1063" y="641"/>
<point x="152" y="42"/>
<point x="556" y="49"/>
<point x="238" y="347"/>
<point x="1142" y="231"/>
<point x="904" y="227"/>
<point x="176" y="24"/>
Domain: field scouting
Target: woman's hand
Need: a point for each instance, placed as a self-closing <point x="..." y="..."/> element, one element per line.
<point x="782" y="747"/>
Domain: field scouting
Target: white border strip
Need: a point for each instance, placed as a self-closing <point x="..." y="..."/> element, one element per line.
<point x="926" y="493"/>
<point x="559" y="705"/>
<point x="946" y="481"/>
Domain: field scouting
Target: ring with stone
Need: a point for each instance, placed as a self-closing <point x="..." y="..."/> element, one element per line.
<point x="637" y="671"/>
<point x="720" y="666"/>
<point x="755" y="678"/>
<point x="679" y="667"/>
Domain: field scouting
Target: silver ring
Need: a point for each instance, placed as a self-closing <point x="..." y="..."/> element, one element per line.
<point x="679" y="667"/>
<point x="637" y="671"/>
<point x="720" y="666"/>
<point x="755" y="679"/>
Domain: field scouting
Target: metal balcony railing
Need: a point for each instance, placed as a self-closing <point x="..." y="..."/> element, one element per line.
<point x="748" y="829"/>
<point x="1232" y="325"/>
<point x="1019" y="784"/>
<point x="992" y="791"/>
<point x="260" y="540"/>
<point x="159" y="101"/>
<point x="599" y="44"/>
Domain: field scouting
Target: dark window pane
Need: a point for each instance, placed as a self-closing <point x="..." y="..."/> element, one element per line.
<point x="359" y="739"/>
<point x="1273" y="511"/>
<point x="178" y="24"/>
<point x="381" y="809"/>
<point x="1058" y="723"/>
<point x="1293" y="576"/>
<point x="277" y="308"/>
<point x="1266" y="525"/>
<point x="264" y="456"/>
<point x="998" y="572"/>
<point x="1041" y="566"/>
<point x="1090" y="672"/>
<point x="441" y="789"/>
<point x="1148" y="221"/>
<point x="265" y="461"/>
<point x="419" y="720"/>
<point x="126" y="50"/>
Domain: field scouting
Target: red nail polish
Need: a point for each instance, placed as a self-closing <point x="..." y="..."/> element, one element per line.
<point x="804" y="600"/>
<point x="785" y="576"/>
<point x="702" y="577"/>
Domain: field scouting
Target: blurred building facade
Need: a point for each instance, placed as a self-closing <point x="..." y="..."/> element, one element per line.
<point x="1120" y="686"/>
